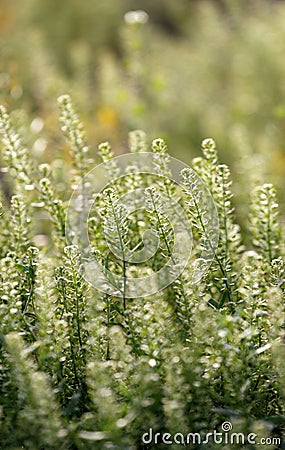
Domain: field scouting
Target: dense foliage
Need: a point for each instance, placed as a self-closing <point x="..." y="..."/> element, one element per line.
<point x="82" y="369"/>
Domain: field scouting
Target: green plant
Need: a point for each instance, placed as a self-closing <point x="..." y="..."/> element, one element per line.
<point x="85" y="368"/>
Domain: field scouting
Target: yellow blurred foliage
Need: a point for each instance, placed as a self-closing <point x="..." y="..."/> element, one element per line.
<point x="107" y="117"/>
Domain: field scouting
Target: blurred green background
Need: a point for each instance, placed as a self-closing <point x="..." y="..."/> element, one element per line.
<point x="194" y="69"/>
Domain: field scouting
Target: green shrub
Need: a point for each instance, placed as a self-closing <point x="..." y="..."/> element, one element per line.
<point x="82" y="368"/>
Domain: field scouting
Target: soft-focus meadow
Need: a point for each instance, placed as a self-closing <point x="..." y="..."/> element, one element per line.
<point x="191" y="71"/>
<point x="196" y="69"/>
<point x="80" y="369"/>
